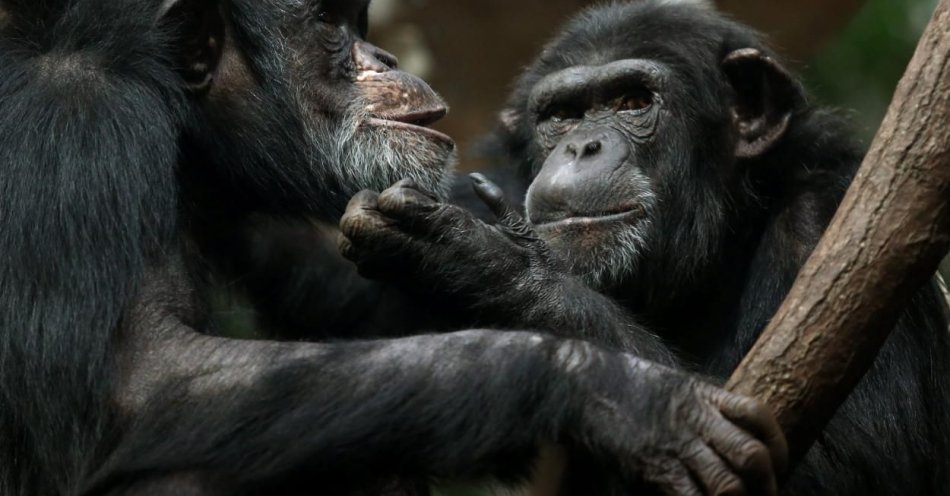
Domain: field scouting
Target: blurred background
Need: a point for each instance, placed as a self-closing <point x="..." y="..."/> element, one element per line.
<point x="850" y="53"/>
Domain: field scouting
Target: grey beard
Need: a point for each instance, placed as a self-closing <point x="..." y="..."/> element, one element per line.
<point x="616" y="255"/>
<point x="612" y="261"/>
<point x="374" y="158"/>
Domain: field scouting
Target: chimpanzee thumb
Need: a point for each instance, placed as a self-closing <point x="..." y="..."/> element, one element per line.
<point x="492" y="195"/>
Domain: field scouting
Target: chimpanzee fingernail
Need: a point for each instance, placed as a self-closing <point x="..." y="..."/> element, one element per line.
<point x="478" y="178"/>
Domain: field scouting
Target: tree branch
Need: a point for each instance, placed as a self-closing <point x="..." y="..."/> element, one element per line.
<point x="886" y="241"/>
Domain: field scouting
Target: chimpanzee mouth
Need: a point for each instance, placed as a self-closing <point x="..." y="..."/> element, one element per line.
<point x="569" y="220"/>
<point x="416" y="122"/>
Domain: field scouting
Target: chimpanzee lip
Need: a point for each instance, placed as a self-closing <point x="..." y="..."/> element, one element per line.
<point x="417" y="122"/>
<point x="618" y="214"/>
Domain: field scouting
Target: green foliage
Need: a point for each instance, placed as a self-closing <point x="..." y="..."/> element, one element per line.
<point x="860" y="70"/>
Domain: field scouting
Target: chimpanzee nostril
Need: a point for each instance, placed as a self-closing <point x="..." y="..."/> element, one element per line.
<point x="570" y="150"/>
<point x="592" y="148"/>
<point x="368" y="57"/>
<point x="388" y="59"/>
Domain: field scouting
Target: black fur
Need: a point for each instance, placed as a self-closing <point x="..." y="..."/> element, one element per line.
<point x="87" y="201"/>
<point x="734" y="197"/>
<point x="727" y="247"/>
<point x="125" y="176"/>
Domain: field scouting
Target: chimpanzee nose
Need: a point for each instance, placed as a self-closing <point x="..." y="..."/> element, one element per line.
<point x="599" y="148"/>
<point x="583" y="148"/>
<point x="577" y="171"/>
<point x="369" y="57"/>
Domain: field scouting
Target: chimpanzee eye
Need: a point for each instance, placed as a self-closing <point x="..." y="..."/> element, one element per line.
<point x="326" y="16"/>
<point x="639" y="100"/>
<point x="561" y="114"/>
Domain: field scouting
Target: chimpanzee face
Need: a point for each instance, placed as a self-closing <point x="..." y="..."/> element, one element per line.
<point x="376" y="116"/>
<point x="304" y="111"/>
<point x="636" y="128"/>
<point x="594" y="196"/>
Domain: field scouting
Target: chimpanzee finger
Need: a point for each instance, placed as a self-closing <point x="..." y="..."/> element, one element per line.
<point x="758" y="420"/>
<point x="493" y="196"/>
<point x="376" y="244"/>
<point x="676" y="481"/>
<point x="367" y="231"/>
<point x="748" y="456"/>
<point x="715" y="475"/>
<point x="409" y="205"/>
<point x="361" y="215"/>
<point x="363" y="199"/>
<point x="345" y="247"/>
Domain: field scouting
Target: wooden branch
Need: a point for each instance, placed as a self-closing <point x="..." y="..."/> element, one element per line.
<point x="884" y="244"/>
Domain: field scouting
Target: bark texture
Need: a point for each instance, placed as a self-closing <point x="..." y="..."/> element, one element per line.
<point x="886" y="241"/>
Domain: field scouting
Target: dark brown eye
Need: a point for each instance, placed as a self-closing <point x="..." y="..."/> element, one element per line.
<point x="634" y="102"/>
<point x="561" y="114"/>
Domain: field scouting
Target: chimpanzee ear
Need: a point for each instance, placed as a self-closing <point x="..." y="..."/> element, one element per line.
<point x="766" y="97"/>
<point x="197" y="33"/>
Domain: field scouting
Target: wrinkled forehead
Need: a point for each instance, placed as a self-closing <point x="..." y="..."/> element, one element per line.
<point x="686" y="41"/>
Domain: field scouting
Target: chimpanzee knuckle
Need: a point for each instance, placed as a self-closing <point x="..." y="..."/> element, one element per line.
<point x="752" y="456"/>
<point x="574" y="357"/>
<point x="690" y="407"/>
<point x="403" y="201"/>
<point x="356" y="224"/>
<point x="674" y="480"/>
<point x="350" y="224"/>
<point x="717" y="478"/>
<point x="362" y="200"/>
<point x="368" y="226"/>
<point x="346" y="248"/>
<point x="741" y="406"/>
<point x="727" y="484"/>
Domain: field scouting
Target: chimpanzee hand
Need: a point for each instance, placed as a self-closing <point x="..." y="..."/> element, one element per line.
<point x="408" y="236"/>
<point x="669" y="430"/>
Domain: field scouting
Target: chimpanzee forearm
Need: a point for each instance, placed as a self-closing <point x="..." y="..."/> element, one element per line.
<point x="566" y="307"/>
<point x="257" y="415"/>
<point x="261" y="407"/>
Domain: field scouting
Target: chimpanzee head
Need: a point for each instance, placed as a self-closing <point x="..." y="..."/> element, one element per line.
<point x="638" y="127"/>
<point x="300" y="111"/>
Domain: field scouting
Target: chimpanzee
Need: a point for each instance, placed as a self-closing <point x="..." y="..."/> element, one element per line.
<point x="677" y="167"/>
<point x="134" y="134"/>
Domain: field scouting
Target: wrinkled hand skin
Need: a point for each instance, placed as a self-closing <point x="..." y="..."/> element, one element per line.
<point x="660" y="429"/>
<point x="407" y="236"/>
<point x="681" y="436"/>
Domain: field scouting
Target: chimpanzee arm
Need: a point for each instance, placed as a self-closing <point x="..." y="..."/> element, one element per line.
<point x="462" y="404"/>
<point x="501" y="275"/>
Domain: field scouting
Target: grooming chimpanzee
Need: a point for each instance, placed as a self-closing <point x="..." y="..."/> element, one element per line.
<point x="678" y="168"/>
<point x="134" y="135"/>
